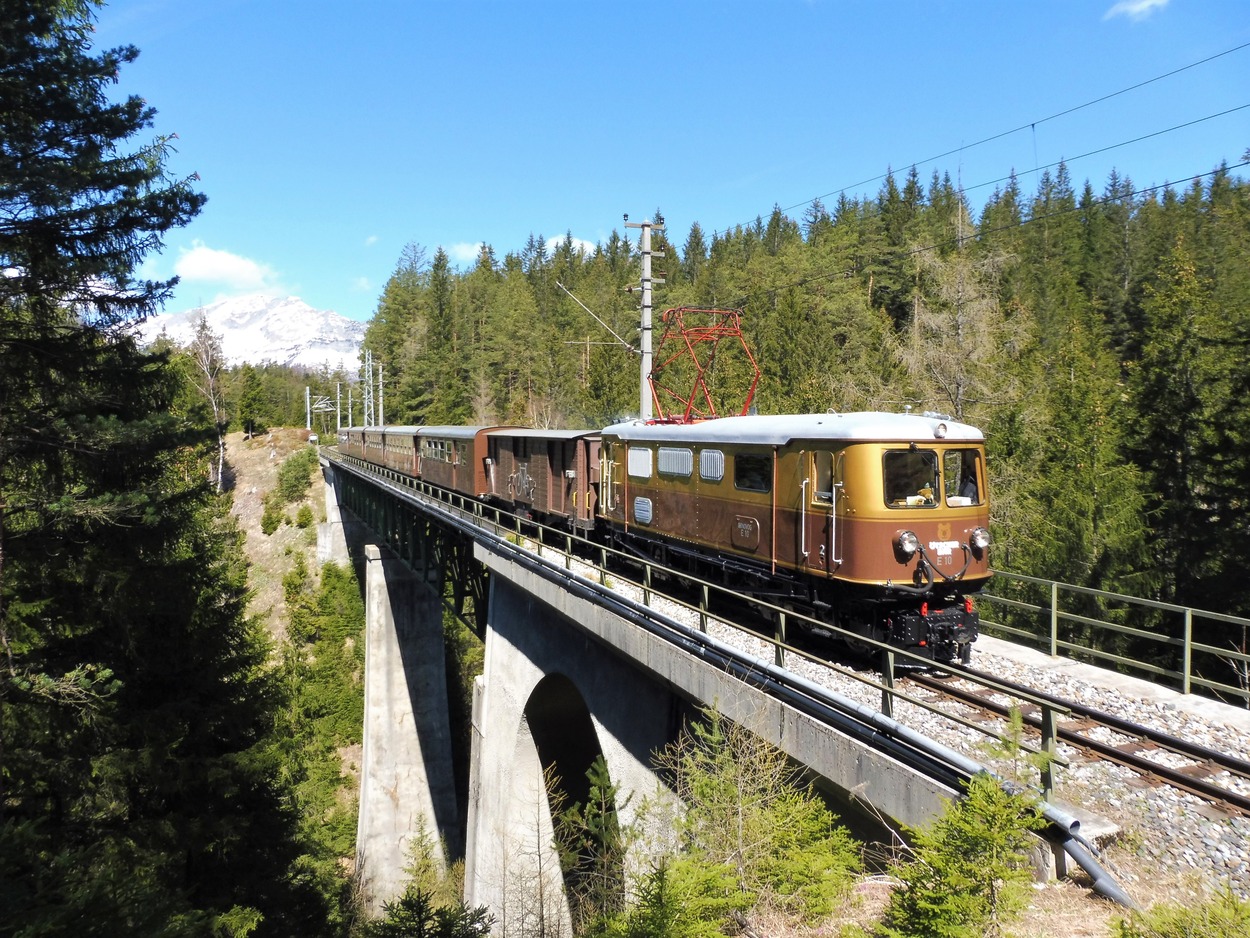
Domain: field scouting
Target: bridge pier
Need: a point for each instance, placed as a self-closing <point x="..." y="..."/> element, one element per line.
<point x="550" y="694"/>
<point x="407" y="787"/>
<point x="337" y="536"/>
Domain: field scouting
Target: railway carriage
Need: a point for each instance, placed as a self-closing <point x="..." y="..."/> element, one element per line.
<point x="399" y="449"/>
<point x="552" y="475"/>
<point x="454" y="458"/>
<point x="875" y="522"/>
<point x="352" y="441"/>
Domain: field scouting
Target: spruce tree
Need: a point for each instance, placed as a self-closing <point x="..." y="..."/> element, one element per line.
<point x="137" y="789"/>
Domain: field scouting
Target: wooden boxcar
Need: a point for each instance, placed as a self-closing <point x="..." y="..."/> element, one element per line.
<point x="551" y="474"/>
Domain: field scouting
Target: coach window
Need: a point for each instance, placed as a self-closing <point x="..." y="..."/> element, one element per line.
<point x="753" y="473"/>
<point x="910" y="478"/>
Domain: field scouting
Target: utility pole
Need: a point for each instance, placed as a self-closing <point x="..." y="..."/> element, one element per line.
<point x="644" y="391"/>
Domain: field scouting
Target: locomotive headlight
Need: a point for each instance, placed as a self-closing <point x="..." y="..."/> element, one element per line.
<point x="979" y="539"/>
<point x="907" y="543"/>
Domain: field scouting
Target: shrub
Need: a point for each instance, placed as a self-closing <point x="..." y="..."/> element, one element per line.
<point x="969" y="872"/>
<point x="1221" y="916"/>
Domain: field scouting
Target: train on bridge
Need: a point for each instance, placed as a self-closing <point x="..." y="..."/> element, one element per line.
<point x="874" y="522"/>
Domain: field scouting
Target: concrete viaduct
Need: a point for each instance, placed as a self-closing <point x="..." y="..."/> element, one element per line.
<point x="572" y="671"/>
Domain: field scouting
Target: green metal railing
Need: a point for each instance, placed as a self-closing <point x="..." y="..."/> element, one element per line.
<point x="1144" y="637"/>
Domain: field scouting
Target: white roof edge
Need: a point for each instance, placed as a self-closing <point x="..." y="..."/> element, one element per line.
<point x="780" y="429"/>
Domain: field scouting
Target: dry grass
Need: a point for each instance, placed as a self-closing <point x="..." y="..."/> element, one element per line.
<point x="254" y="464"/>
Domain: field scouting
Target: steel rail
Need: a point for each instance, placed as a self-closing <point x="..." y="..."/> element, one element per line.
<point x="1177" y="778"/>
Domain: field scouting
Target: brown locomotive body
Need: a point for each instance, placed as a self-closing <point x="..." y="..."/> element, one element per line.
<point x="875" y="522"/>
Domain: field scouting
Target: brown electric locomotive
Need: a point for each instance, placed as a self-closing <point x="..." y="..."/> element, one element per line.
<point x="873" y="522"/>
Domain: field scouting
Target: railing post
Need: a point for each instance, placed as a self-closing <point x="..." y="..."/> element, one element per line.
<point x="646" y="586"/>
<point x="887" y="683"/>
<point x="568" y="552"/>
<point x="1189" y="649"/>
<point x="703" y="604"/>
<point x="779" y="652"/>
<point x="603" y="566"/>
<point x="1054" y="619"/>
<point x="1050" y="733"/>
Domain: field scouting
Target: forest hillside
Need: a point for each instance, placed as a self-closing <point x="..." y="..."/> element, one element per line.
<point x="1098" y="335"/>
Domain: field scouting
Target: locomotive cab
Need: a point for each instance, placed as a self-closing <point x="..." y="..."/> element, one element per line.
<point x="915" y="540"/>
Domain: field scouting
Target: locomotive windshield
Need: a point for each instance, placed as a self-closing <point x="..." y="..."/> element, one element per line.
<point x="911" y="478"/>
<point x="959" y="472"/>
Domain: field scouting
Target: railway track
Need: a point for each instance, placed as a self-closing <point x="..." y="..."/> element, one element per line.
<point x="1200" y="769"/>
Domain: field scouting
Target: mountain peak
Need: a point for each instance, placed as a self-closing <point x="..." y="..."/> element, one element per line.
<point x="256" y="328"/>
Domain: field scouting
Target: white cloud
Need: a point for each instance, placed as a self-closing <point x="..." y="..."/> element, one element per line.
<point x="585" y="247"/>
<point x="202" y="264"/>
<point x="362" y="285"/>
<point x="371" y="241"/>
<point x="1135" y="9"/>
<point x="464" y="253"/>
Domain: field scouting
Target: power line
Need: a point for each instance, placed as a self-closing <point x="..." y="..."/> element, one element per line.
<point x="1031" y="125"/>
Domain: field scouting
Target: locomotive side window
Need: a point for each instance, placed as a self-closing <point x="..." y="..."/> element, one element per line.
<point x="959" y="477"/>
<point x="639" y="462"/>
<point x="822" y="470"/>
<point x="675" y="461"/>
<point x="753" y="473"/>
<point x="711" y="465"/>
<point x="910" y="478"/>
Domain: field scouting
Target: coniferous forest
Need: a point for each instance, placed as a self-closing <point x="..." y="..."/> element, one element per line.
<point x="1098" y="333"/>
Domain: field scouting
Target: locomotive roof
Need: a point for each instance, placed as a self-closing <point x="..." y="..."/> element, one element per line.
<point x="781" y="429"/>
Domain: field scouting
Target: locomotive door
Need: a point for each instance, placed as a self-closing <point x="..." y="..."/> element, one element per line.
<point x="824" y="550"/>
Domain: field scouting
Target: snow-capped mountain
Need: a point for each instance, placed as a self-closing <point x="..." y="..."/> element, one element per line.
<point x="258" y="329"/>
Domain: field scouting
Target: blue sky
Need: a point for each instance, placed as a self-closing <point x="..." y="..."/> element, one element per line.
<point x="328" y="135"/>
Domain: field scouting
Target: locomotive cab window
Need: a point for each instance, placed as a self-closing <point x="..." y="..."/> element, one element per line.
<point x="753" y="473"/>
<point x="910" y="478"/>
<point x="960" y="477"/>
<point x="826" y="474"/>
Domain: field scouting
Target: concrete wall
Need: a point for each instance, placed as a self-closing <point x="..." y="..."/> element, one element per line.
<point x="510" y="865"/>
<point x="407" y="788"/>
